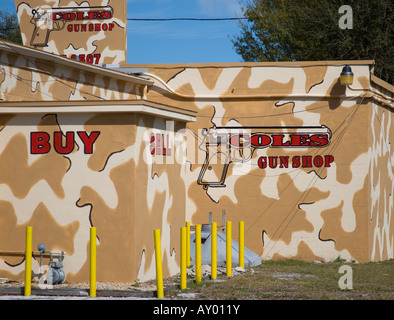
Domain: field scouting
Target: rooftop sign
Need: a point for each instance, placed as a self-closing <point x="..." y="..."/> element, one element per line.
<point x="93" y="31"/>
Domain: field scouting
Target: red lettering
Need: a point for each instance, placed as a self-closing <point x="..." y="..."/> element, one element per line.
<point x="94" y="15"/>
<point x="152" y="144"/>
<point x="272" y="162"/>
<point x="260" y="140"/>
<point x="277" y="141"/>
<point x="306" y="161"/>
<point x="88" y="140"/>
<point x="81" y="15"/>
<point x="327" y="160"/>
<point x="57" y="16"/>
<point x="319" y="140"/>
<point x="163" y="146"/>
<point x="158" y="144"/>
<point x="262" y="162"/>
<point x="106" y="14"/>
<point x="284" y="162"/>
<point x="58" y="145"/>
<point x="97" y="57"/>
<point x="89" y="59"/>
<point x="39" y="143"/>
<point x="240" y="140"/>
<point x="69" y="16"/>
<point x="299" y="140"/>
<point x="318" y="161"/>
<point x="70" y="28"/>
<point x="296" y="162"/>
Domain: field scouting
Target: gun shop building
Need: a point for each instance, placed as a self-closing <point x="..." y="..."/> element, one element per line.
<point x="303" y="159"/>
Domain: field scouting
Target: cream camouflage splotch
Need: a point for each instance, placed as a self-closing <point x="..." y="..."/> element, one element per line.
<point x="126" y="188"/>
<point x="96" y="39"/>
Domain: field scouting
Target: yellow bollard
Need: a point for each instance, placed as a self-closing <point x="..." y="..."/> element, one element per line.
<point x="228" y="248"/>
<point x="241" y="244"/>
<point x="28" y="258"/>
<point x="198" y="253"/>
<point x="188" y="244"/>
<point x="92" y="262"/>
<point x="183" y="258"/>
<point x="213" y="250"/>
<point x="159" y="269"/>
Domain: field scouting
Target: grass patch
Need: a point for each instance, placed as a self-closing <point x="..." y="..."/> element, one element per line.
<point x="300" y="280"/>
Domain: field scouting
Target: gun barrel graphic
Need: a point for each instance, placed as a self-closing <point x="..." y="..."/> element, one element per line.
<point x="47" y="20"/>
<point x="224" y="145"/>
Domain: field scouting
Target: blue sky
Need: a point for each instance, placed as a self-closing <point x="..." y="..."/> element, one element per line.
<point x="178" y="41"/>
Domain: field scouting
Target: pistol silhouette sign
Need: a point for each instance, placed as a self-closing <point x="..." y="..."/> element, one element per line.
<point x="55" y="19"/>
<point x="224" y="145"/>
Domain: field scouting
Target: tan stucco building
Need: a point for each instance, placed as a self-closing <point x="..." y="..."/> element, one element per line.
<point x="303" y="160"/>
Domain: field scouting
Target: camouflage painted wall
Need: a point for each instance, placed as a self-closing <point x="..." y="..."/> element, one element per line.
<point x="27" y="78"/>
<point x="63" y="191"/>
<point x="316" y="185"/>
<point x="64" y="171"/>
<point x="381" y="173"/>
<point x="310" y="210"/>
<point x="91" y="31"/>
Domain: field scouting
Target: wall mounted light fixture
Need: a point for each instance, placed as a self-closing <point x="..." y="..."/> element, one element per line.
<point x="346" y="76"/>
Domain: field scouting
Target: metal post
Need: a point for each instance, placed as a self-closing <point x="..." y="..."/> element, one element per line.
<point x="93" y="262"/>
<point x="28" y="258"/>
<point x="198" y="253"/>
<point x="241" y="244"/>
<point x="188" y="244"/>
<point x="228" y="248"/>
<point x="213" y="250"/>
<point x="183" y="258"/>
<point x="159" y="269"/>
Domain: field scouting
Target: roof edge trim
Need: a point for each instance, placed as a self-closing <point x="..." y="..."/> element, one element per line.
<point x="14" y="48"/>
<point x="141" y="106"/>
